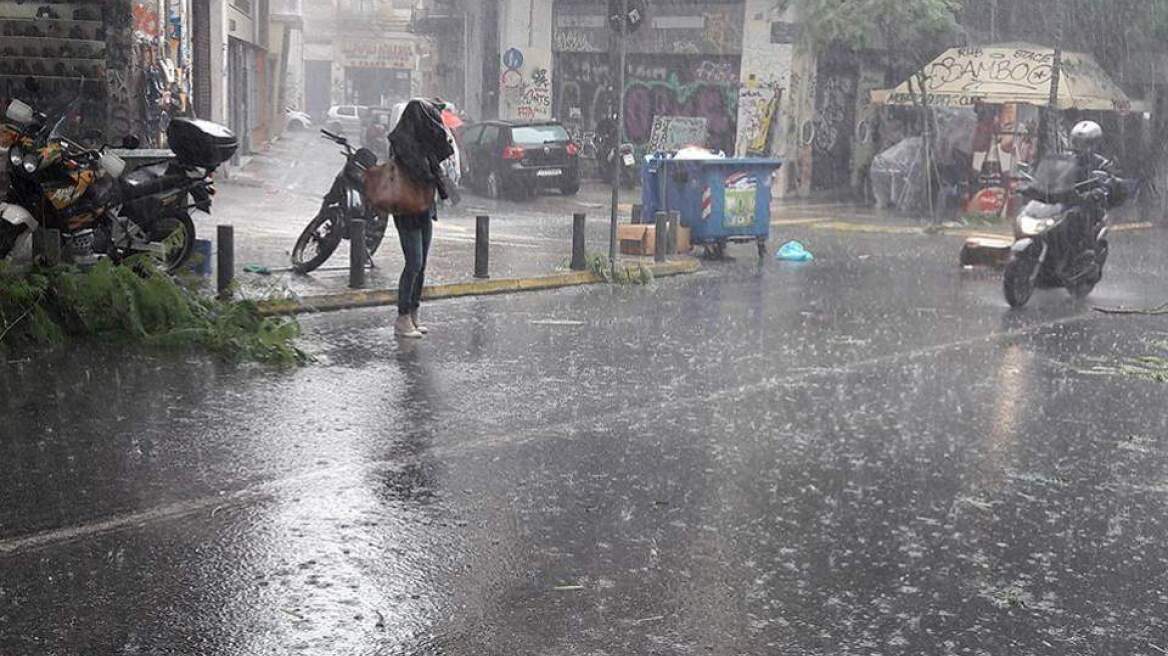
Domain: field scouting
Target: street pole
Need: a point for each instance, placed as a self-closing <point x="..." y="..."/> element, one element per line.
<point x="620" y="136"/>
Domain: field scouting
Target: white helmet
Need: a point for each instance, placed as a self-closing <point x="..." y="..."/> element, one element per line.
<point x="1086" y="137"/>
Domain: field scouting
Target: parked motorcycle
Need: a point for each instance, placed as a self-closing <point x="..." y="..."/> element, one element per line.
<point x="1061" y="234"/>
<point x="344" y="202"/>
<point x="626" y="158"/>
<point x="99" y="212"/>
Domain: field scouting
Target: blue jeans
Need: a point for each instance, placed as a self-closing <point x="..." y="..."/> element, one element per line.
<point x="415" y="233"/>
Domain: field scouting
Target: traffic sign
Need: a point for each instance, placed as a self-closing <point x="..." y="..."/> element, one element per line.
<point x="513" y="59"/>
<point x="631" y="21"/>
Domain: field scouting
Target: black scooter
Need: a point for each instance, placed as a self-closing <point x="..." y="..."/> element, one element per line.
<point x="1061" y="234"/>
<point x="344" y="202"/>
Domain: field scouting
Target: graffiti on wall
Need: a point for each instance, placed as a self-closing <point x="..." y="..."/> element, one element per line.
<point x="757" y="106"/>
<point x="145" y="20"/>
<point x="836" y="94"/>
<point x="699" y="87"/>
<point x="526" y="91"/>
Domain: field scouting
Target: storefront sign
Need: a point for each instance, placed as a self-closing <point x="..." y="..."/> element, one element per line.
<point x="377" y="54"/>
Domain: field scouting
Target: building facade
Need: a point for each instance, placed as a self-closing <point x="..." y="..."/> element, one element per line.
<point x="728" y="63"/>
<point x="359" y="52"/>
<point x="128" y="60"/>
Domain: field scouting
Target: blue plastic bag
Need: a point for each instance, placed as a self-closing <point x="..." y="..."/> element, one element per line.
<point x="794" y="251"/>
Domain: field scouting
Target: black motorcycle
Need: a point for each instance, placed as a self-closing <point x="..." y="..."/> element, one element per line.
<point x="344" y="202"/>
<point x="82" y="193"/>
<point x="1061" y="234"/>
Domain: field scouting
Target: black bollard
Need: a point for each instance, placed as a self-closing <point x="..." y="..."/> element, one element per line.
<point x="579" y="259"/>
<point x="482" y="246"/>
<point x="660" y="236"/>
<point x="358" y="256"/>
<point x="225" y="260"/>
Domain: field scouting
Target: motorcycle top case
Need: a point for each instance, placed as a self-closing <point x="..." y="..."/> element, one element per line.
<point x="201" y="143"/>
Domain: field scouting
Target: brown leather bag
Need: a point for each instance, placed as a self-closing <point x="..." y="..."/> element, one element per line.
<point x="389" y="191"/>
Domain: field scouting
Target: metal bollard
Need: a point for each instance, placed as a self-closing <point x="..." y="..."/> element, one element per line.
<point x="674" y="222"/>
<point x="482" y="246"/>
<point x="358" y="256"/>
<point x="661" y="236"/>
<point x="46" y="246"/>
<point x="579" y="259"/>
<point x="225" y="260"/>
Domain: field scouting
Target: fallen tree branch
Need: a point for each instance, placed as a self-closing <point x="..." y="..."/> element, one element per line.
<point x="1163" y="309"/>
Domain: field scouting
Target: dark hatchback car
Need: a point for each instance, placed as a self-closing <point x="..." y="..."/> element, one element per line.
<point x="520" y="158"/>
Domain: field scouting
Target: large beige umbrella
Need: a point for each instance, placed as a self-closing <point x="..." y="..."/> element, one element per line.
<point x="1011" y="73"/>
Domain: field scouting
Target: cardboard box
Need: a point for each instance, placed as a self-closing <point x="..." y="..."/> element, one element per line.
<point x="636" y="239"/>
<point x="642" y="239"/>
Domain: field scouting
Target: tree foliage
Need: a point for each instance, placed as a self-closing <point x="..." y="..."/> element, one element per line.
<point x="46" y="306"/>
<point x="910" y="31"/>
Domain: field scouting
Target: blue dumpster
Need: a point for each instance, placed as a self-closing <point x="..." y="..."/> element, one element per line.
<point x="720" y="200"/>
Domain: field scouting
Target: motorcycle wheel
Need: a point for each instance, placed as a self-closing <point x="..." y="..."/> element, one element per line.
<point x="317" y="243"/>
<point x="1083" y="289"/>
<point x="375" y="228"/>
<point x="1018" y="283"/>
<point x="176" y="232"/>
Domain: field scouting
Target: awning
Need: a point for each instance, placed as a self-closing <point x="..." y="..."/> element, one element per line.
<point x="1012" y="73"/>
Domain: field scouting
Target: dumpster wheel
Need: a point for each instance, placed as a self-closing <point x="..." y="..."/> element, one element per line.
<point x="762" y="248"/>
<point x="715" y="250"/>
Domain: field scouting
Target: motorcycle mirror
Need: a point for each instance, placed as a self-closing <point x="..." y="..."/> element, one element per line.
<point x="131" y="142"/>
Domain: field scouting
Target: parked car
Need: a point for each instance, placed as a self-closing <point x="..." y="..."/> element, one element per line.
<point x="296" y="121"/>
<point x="521" y="158"/>
<point x="346" y="119"/>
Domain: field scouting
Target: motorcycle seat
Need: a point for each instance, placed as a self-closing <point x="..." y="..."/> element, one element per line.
<point x="149" y="180"/>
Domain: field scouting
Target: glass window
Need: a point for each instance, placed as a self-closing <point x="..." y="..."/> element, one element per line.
<point x="490" y="135"/>
<point x="347" y="111"/>
<point x="471" y="136"/>
<point x="536" y="135"/>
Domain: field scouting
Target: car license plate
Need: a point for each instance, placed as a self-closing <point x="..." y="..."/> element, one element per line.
<point x="548" y="173"/>
<point x="629" y="161"/>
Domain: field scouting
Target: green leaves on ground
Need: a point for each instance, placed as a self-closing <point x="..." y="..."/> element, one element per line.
<point x="136" y="302"/>
<point x="624" y="274"/>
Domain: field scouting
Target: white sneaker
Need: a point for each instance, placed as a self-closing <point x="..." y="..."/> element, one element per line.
<point x="404" y="327"/>
<point x="417" y="325"/>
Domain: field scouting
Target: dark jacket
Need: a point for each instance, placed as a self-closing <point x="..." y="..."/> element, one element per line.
<point x="419" y="144"/>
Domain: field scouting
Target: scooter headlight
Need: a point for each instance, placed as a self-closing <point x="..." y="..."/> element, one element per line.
<point x="15" y="157"/>
<point x="31" y="163"/>
<point x="1031" y="226"/>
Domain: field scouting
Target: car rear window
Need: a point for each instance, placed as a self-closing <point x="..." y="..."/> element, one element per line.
<point x="539" y="134"/>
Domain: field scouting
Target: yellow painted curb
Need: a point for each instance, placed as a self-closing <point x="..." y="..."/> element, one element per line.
<point x="382" y="297"/>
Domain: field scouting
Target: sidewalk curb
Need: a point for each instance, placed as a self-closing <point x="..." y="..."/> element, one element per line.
<point x="354" y="299"/>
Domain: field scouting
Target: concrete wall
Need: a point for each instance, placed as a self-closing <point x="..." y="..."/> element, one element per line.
<point x="219" y="95"/>
<point x="763" y="99"/>
<point x="526" y="91"/>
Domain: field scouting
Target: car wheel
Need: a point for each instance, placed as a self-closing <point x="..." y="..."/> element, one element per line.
<point x="494" y="186"/>
<point x="571" y="188"/>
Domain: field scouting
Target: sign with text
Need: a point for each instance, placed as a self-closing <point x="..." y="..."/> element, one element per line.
<point x="672" y="133"/>
<point x="369" y="53"/>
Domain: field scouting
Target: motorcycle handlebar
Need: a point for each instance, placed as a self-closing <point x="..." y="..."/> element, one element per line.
<point x="334" y="137"/>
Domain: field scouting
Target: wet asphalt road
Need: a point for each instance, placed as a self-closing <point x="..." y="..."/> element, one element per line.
<point x="865" y="455"/>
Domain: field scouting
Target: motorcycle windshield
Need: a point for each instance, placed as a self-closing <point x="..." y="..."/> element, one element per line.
<point x="1056" y="175"/>
<point x="67" y="123"/>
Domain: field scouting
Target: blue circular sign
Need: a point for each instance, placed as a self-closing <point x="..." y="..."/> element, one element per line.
<point x="513" y="59"/>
